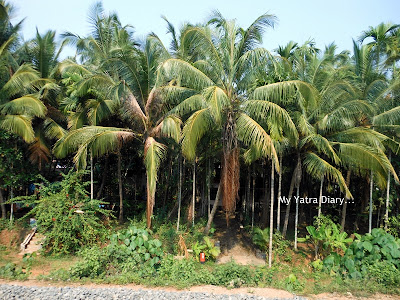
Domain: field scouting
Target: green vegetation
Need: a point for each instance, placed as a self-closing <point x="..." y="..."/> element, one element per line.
<point x="135" y="130"/>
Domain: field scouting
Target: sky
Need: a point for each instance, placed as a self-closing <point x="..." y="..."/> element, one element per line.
<point x="325" y="22"/>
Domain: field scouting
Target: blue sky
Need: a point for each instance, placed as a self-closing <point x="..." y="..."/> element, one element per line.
<point x="324" y="21"/>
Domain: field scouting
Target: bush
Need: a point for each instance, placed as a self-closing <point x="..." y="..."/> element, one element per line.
<point x="326" y="237"/>
<point x="365" y="255"/>
<point x="129" y="250"/>
<point x="67" y="216"/>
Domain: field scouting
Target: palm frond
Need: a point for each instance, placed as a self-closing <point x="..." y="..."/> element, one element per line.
<point x="319" y="168"/>
<point x="253" y="135"/>
<point x="268" y="111"/>
<point x="18" y="124"/>
<point x="195" y="127"/>
<point x="26" y="105"/>
<point x="154" y="153"/>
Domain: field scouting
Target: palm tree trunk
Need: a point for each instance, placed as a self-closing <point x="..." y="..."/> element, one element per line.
<point x="320" y="198"/>
<point x="296" y="219"/>
<point x="213" y="211"/>
<point x="179" y="191"/>
<point x="230" y="167"/>
<point x="208" y="182"/>
<point x="271" y="215"/>
<point x="12" y="204"/>
<point x="371" y="186"/>
<point x="292" y="182"/>
<point x="103" y="179"/>
<point x="344" y="209"/>
<point x="3" y="206"/>
<point x="252" y="197"/>
<point x="387" y="196"/>
<point x="194" y="191"/>
<point x="287" y="213"/>
<point x="121" y="200"/>
<point x="91" y="174"/>
<point x="247" y="199"/>
<point x="278" y="214"/>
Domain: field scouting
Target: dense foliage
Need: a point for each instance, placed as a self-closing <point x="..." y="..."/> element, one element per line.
<point x="368" y="254"/>
<point x="67" y="216"/>
<point x="214" y="118"/>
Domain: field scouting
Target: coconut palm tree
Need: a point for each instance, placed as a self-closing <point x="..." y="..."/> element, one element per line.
<point x="126" y="77"/>
<point x="217" y="82"/>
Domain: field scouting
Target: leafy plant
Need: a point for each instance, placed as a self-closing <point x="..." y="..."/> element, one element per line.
<point x="261" y="240"/>
<point x="292" y="284"/>
<point x="130" y="250"/>
<point x="326" y="238"/>
<point x="135" y="241"/>
<point x="367" y="251"/>
<point x="210" y="251"/>
<point x="67" y="216"/>
<point x="12" y="271"/>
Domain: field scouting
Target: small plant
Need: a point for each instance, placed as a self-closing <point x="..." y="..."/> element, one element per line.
<point x="326" y="238"/>
<point x="211" y="252"/>
<point x="12" y="271"/>
<point x="292" y="284"/>
<point x="280" y="244"/>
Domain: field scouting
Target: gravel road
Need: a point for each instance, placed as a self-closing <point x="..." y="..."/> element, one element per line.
<point x="8" y="291"/>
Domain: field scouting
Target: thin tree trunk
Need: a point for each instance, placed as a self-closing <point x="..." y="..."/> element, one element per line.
<point x="271" y="215"/>
<point x="103" y="179"/>
<point x="252" y="197"/>
<point x="121" y="200"/>
<point x="208" y="182"/>
<point x="371" y="186"/>
<point x="387" y="197"/>
<point x="296" y="220"/>
<point x="91" y="174"/>
<point x="278" y="214"/>
<point x="285" y="223"/>
<point x="320" y="198"/>
<point x="213" y="211"/>
<point x="12" y="205"/>
<point x="247" y="204"/>
<point x="344" y="208"/>
<point x="179" y="191"/>
<point x="3" y="206"/>
<point x="167" y="185"/>
<point x="194" y="191"/>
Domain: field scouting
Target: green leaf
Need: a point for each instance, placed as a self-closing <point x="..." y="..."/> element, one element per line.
<point x="349" y="263"/>
<point x="367" y="246"/>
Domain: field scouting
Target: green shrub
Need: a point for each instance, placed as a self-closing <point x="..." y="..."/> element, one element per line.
<point x="365" y="254"/>
<point x="326" y="237"/>
<point x="280" y="244"/>
<point x="12" y="271"/>
<point x="207" y="247"/>
<point x="394" y="226"/>
<point x="67" y="216"/>
<point x="129" y="250"/>
<point x="93" y="264"/>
